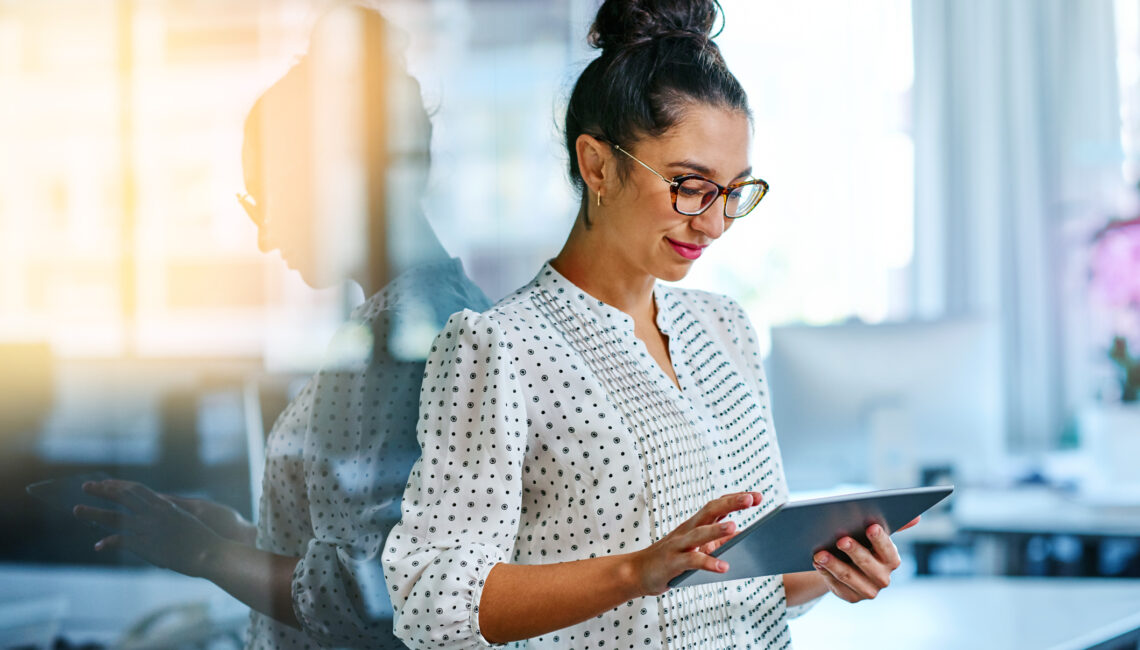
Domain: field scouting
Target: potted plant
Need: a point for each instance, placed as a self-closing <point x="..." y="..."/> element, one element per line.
<point x="1115" y="281"/>
<point x="1111" y="430"/>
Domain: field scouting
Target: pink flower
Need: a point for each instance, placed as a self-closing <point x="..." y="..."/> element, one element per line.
<point x="1116" y="285"/>
<point x="1116" y="268"/>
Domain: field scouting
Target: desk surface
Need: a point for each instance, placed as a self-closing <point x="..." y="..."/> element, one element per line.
<point x="977" y="613"/>
<point x="97" y="604"/>
<point x="1042" y="510"/>
<point x="928" y="613"/>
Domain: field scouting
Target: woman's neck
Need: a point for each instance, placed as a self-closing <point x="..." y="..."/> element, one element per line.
<point x="605" y="274"/>
<point x="426" y="249"/>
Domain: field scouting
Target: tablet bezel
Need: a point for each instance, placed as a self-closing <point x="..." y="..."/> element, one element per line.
<point x="795" y="531"/>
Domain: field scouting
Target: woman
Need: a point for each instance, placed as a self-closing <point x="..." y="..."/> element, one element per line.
<point x="595" y="434"/>
<point x="337" y="459"/>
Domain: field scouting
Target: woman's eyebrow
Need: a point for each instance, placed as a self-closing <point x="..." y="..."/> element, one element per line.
<point x="703" y="170"/>
<point x="693" y="166"/>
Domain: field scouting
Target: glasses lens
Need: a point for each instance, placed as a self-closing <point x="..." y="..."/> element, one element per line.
<point x="251" y="208"/>
<point x="695" y="194"/>
<point x="742" y="199"/>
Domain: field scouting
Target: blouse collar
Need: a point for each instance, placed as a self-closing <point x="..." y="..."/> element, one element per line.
<point x="562" y="289"/>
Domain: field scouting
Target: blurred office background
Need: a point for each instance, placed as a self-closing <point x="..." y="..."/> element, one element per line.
<point x="946" y="271"/>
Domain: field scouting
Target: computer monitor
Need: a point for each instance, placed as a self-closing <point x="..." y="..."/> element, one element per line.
<point x="877" y="404"/>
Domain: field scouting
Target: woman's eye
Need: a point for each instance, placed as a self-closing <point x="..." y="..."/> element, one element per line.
<point x="691" y="191"/>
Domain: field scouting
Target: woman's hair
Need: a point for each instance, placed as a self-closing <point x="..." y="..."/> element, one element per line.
<point x="390" y="100"/>
<point x="658" y="58"/>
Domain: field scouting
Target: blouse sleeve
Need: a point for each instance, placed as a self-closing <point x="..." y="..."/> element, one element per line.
<point x="359" y="446"/>
<point x="462" y="504"/>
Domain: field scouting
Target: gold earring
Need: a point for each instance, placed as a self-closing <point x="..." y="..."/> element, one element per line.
<point x="599" y="195"/>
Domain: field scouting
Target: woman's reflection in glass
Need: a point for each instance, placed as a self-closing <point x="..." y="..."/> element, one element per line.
<point x="329" y="199"/>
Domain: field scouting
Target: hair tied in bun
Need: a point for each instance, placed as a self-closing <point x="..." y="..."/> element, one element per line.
<point x="658" y="59"/>
<point x="631" y="23"/>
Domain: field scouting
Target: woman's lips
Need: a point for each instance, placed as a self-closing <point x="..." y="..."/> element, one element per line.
<point x="687" y="251"/>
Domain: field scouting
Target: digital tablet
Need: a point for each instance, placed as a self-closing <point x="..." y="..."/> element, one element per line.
<point x="63" y="494"/>
<point x="786" y="539"/>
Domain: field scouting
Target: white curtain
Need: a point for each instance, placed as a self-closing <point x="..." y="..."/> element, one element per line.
<point x="1016" y="132"/>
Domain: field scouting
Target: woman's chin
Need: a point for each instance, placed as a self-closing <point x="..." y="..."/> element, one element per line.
<point x="675" y="272"/>
<point x="313" y="278"/>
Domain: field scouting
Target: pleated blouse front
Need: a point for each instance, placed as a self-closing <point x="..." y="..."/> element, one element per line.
<point x="549" y="434"/>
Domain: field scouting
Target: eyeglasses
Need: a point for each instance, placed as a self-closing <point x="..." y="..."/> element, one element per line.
<point x="693" y="194"/>
<point x="251" y="208"/>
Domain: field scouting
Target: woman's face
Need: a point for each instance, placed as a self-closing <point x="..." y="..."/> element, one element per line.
<point x="642" y="225"/>
<point x="278" y="179"/>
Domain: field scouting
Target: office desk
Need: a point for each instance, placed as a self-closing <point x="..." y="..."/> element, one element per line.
<point x="1040" y="510"/>
<point x="1003" y="521"/>
<point x="979" y="614"/>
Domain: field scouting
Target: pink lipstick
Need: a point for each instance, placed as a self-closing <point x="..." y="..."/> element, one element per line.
<point x="687" y="251"/>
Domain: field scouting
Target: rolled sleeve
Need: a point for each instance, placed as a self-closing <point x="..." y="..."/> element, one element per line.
<point x="462" y="504"/>
<point x="340" y="600"/>
<point x="442" y="608"/>
<point x="360" y="445"/>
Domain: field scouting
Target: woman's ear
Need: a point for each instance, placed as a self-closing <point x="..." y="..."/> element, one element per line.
<point x="595" y="163"/>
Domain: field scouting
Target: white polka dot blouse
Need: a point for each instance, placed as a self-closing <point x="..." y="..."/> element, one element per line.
<point x="337" y="462"/>
<point x="549" y="434"/>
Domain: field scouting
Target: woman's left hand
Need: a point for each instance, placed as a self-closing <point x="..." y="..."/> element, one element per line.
<point x="869" y="570"/>
<point x="154" y="528"/>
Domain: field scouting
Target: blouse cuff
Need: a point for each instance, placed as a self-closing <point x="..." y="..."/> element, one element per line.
<point x="482" y="570"/>
<point x="340" y="600"/>
<point x="442" y="609"/>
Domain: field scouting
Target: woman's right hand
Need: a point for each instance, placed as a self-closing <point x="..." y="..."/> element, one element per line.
<point x="690" y="544"/>
<point x="223" y="520"/>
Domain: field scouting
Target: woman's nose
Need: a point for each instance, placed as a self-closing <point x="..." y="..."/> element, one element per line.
<point x="711" y="222"/>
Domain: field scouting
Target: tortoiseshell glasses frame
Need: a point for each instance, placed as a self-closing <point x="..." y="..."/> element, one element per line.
<point x="700" y="193"/>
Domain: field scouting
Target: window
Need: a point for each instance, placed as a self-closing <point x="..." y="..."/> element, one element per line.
<point x="829" y="83"/>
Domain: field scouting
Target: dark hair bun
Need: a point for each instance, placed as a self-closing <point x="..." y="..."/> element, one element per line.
<point x="629" y="23"/>
<point x="658" y="59"/>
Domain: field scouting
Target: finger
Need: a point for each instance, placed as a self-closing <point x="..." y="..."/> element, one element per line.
<point x="189" y="505"/>
<point x="718" y="509"/>
<point x="883" y="547"/>
<point x="109" y="543"/>
<point x="107" y="518"/>
<point x="728" y="529"/>
<point x="114" y="490"/>
<point x="702" y="562"/>
<point x="146" y="495"/>
<point x="699" y="537"/>
<point x="846" y="574"/>
<point x="912" y="522"/>
<point x="712" y="546"/>
<point x="873" y="567"/>
<point x="838" y="588"/>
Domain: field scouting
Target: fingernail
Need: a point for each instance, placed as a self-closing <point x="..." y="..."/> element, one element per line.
<point x="743" y="499"/>
<point x="821" y="558"/>
<point x="99" y="545"/>
<point x="722" y="566"/>
<point x="875" y="530"/>
<point x="845" y="543"/>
